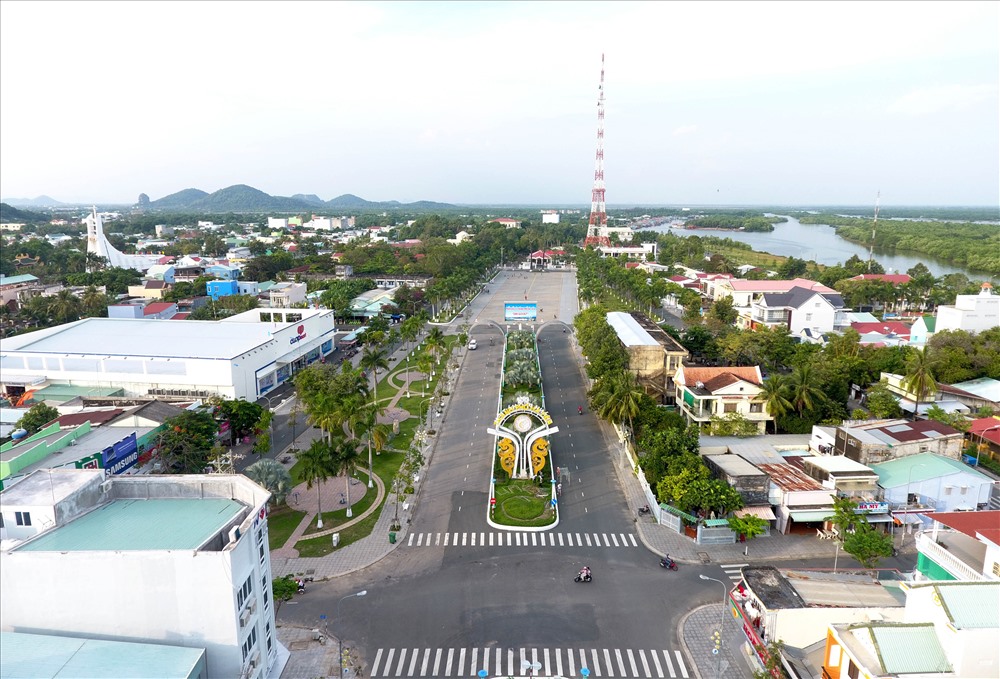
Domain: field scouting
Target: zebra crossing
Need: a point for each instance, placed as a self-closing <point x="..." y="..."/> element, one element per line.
<point x="732" y="570"/>
<point x="518" y="539"/>
<point x="552" y="662"/>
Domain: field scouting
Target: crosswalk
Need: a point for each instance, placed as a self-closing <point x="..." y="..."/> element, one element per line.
<point x="732" y="570"/>
<point x="515" y="539"/>
<point x="563" y="662"/>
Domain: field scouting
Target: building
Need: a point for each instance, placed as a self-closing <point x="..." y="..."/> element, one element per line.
<point x="460" y="238"/>
<point x="225" y="288"/>
<point x="287" y="295"/>
<point x="743" y="291"/>
<point x="702" y="393"/>
<point x="941" y="483"/>
<point x="416" y="282"/>
<point x="973" y="313"/>
<point x="985" y="433"/>
<point x="751" y="483"/>
<point x="949" y="631"/>
<point x="97" y="243"/>
<point x="188" y="555"/>
<point x="243" y="356"/>
<point x="796" y="310"/>
<point x="550" y="216"/>
<point x="960" y="546"/>
<point x="848" y="478"/>
<point x="945" y="399"/>
<point x="922" y="330"/>
<point x="506" y="222"/>
<point x="982" y="392"/>
<point x="277" y="223"/>
<point x="654" y="356"/>
<point x="161" y="272"/>
<point x="642" y="252"/>
<point x="12" y="287"/>
<point x="872" y="441"/>
<point x="150" y="289"/>
<point x="797" y="607"/>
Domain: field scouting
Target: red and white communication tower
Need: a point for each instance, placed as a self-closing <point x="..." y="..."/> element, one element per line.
<point x="596" y="234"/>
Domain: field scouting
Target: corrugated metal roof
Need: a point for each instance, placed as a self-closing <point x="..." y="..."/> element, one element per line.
<point x="135" y="525"/>
<point x="788" y="478"/>
<point x="920" y="467"/>
<point x="629" y="331"/>
<point x="909" y="649"/>
<point x="972" y="605"/>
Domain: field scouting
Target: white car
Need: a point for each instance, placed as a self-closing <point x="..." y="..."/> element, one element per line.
<point x="472" y="345"/>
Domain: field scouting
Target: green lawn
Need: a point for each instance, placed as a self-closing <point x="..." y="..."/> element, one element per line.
<point x="523" y="503"/>
<point x="281" y="523"/>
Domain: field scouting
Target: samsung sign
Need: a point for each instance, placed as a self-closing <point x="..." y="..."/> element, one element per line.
<point x="121" y="456"/>
<point x="301" y="330"/>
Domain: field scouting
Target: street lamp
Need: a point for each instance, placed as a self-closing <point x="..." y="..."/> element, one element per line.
<point x="982" y="441"/>
<point x="722" y="622"/>
<point x="271" y="423"/>
<point x="340" y="638"/>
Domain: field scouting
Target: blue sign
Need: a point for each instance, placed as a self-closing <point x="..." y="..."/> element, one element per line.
<point x="520" y="311"/>
<point x="122" y="455"/>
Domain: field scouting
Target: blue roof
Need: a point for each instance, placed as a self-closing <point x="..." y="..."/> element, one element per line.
<point x="14" y="280"/>
<point x="44" y="656"/>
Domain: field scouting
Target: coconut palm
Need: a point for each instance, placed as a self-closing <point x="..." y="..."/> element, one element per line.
<point x="270" y="475"/>
<point x="803" y="392"/>
<point x="618" y="397"/>
<point x="919" y="379"/>
<point x="373" y="360"/>
<point x="775" y="394"/>
<point x="376" y="433"/>
<point x="317" y="466"/>
<point x="435" y="343"/>
<point x="344" y="456"/>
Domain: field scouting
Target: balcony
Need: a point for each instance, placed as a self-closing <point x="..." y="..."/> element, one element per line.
<point x="949" y="554"/>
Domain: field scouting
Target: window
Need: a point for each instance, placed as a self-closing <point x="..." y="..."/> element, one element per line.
<point x="852" y="670"/>
<point x="947" y="490"/>
<point x="249" y="643"/>
<point x="965" y="489"/>
<point x="22" y="518"/>
<point x="241" y="596"/>
<point x="729" y="407"/>
<point x="809" y="317"/>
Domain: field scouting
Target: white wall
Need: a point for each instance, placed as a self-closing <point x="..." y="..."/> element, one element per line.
<point x="934" y="491"/>
<point x="817" y="313"/>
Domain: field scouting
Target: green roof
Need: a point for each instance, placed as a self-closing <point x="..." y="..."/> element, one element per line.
<point x="909" y="649"/>
<point x="917" y="468"/>
<point x="971" y="605"/>
<point x="44" y="656"/>
<point x="67" y="392"/>
<point x="929" y="322"/>
<point x="134" y="525"/>
<point x="14" y="280"/>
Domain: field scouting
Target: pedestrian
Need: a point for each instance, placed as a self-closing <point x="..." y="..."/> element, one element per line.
<point x="558" y="489"/>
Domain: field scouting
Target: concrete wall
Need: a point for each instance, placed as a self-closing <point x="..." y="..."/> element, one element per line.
<point x="800" y="627"/>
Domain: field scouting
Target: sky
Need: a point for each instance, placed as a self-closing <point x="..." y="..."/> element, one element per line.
<point x="707" y="103"/>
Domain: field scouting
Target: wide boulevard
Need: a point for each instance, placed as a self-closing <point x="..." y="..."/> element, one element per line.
<point x="458" y="596"/>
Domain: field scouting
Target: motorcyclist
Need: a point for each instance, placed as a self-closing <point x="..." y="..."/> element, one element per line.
<point x="579" y="410"/>
<point x="585" y="572"/>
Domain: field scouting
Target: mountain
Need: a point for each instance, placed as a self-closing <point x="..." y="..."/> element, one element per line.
<point x="41" y="201"/>
<point x="310" y="198"/>
<point x="243" y="198"/>
<point x="10" y="214"/>
<point x="349" y="200"/>
<point x="179" y="200"/>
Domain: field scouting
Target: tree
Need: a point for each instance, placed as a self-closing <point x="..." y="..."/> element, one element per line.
<point x="953" y="420"/>
<point x="345" y="456"/>
<point x="723" y="311"/>
<point x="775" y="394"/>
<point x="868" y="545"/>
<point x="733" y="424"/>
<point x="271" y="476"/>
<point x="37" y="417"/>
<point x="747" y="526"/>
<point x="317" y="466"/>
<point x="882" y="403"/>
<point x="186" y="441"/>
<point x="242" y="416"/>
<point x="805" y="394"/>
<point x="617" y="397"/>
<point x="919" y="379"/>
<point x="711" y="495"/>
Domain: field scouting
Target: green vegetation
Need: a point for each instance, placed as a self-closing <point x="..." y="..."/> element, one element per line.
<point x="523" y="503"/>
<point x="974" y="246"/>
<point x="37" y="417"/>
<point x="281" y="523"/>
<point x="738" y="221"/>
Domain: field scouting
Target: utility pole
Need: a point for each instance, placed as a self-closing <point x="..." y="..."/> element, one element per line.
<point x="598" y="210"/>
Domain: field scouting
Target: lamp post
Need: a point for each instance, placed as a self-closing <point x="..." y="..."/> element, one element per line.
<point x="909" y="477"/>
<point x="982" y="441"/>
<point x="271" y="423"/>
<point x="340" y="638"/>
<point x="722" y="622"/>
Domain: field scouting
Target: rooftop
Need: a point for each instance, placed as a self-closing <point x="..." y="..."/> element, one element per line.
<point x="716" y="378"/>
<point x="970" y="605"/>
<point x="136" y="525"/>
<point x="45" y="656"/>
<point x="973" y="524"/>
<point x="790" y="478"/>
<point x="892" y="432"/>
<point x="922" y="467"/>
<point x="898" y="648"/>
<point x="146" y="337"/>
<point x="837" y="465"/>
<point x="48" y="487"/>
<point x="983" y="387"/>
<point x="771" y="587"/>
<point x="733" y="465"/>
<point x="740" y="285"/>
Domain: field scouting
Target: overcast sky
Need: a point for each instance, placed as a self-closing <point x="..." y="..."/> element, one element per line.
<point x="707" y="103"/>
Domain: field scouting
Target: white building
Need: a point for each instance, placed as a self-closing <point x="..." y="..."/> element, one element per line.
<point x="973" y="313"/>
<point x="243" y="356"/>
<point x="287" y="295"/>
<point x="550" y="216"/>
<point x="97" y="243"/>
<point x="181" y="560"/>
<point x="797" y="310"/>
<point x="935" y="481"/>
<point x="319" y="224"/>
<point x="277" y="223"/>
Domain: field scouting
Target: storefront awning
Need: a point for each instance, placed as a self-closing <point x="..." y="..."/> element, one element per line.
<point x="760" y="512"/>
<point x="904" y="518"/>
<point x="811" y="515"/>
<point x="878" y="518"/>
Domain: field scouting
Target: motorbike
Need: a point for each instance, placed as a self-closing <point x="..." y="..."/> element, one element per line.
<point x="643" y="510"/>
<point x="583" y="576"/>
<point x="579" y="410"/>
<point x="667" y="562"/>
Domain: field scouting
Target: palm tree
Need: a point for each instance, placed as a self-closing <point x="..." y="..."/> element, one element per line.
<point x="804" y="394"/>
<point x="376" y="433"/>
<point x="372" y="360"/>
<point x="919" y="379"/>
<point x="65" y="307"/>
<point x="317" y="466"/>
<point x="435" y="343"/>
<point x="95" y="302"/>
<point x="618" y="397"/>
<point x="345" y="456"/>
<point x="270" y="475"/>
<point x="409" y="330"/>
<point x="774" y="393"/>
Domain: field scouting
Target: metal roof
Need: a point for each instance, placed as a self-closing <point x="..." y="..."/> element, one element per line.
<point x="45" y="656"/>
<point x="629" y="331"/>
<point x="908" y="649"/>
<point x="971" y="605"/>
<point x="921" y="467"/>
<point x="136" y="525"/>
<point x="840" y="590"/>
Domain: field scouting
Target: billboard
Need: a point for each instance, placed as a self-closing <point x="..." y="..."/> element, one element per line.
<point x="122" y="455"/>
<point x="520" y="311"/>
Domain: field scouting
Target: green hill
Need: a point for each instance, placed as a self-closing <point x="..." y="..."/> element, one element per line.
<point x="9" y="213"/>
<point x="243" y="198"/>
<point x="179" y="200"/>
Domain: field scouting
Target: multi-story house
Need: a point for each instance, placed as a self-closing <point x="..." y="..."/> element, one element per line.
<point x="796" y="310"/>
<point x="973" y="313"/>
<point x="702" y="392"/>
<point x="873" y="441"/>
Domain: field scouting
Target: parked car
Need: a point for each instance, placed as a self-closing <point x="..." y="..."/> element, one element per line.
<point x="472" y="345"/>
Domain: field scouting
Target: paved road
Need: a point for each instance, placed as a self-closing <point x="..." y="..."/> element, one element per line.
<point x="459" y="596"/>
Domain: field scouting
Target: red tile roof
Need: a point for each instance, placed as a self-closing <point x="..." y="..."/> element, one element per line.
<point x="721" y="377"/>
<point x="740" y="285"/>
<point x="979" y="427"/>
<point x="916" y="431"/>
<point x="901" y="329"/>
<point x="95" y="417"/>
<point x="986" y="524"/>
<point x="156" y="307"/>
<point x="180" y="316"/>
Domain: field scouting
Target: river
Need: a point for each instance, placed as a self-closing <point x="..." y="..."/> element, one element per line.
<point x="821" y="244"/>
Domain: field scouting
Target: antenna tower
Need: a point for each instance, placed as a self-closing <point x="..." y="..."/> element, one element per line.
<point x="596" y="230"/>
<point x="871" y="248"/>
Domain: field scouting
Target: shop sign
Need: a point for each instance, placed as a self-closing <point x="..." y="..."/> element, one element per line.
<point x="301" y="330"/>
<point x="872" y="508"/>
<point x="122" y="455"/>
